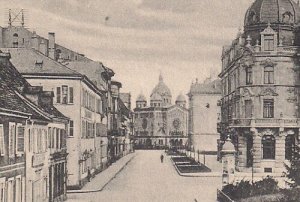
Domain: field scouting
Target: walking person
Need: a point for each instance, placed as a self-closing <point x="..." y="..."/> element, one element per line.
<point x="162" y="158"/>
<point x="89" y="175"/>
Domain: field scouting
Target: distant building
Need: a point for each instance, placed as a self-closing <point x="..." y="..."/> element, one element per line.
<point x="204" y="111"/>
<point x="260" y="95"/>
<point x="161" y="124"/>
<point x="33" y="152"/>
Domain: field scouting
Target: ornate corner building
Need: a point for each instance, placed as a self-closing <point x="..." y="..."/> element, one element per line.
<point x="260" y="95"/>
<point x="161" y="124"/>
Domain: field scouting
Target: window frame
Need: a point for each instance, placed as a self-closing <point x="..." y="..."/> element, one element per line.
<point x="268" y="151"/>
<point x="249" y="76"/>
<point x="18" y="126"/>
<point x="268" y="109"/>
<point x="269" y="42"/>
<point x="269" y="73"/>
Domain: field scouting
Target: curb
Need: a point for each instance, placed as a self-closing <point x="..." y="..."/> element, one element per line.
<point x="211" y="174"/>
<point x="101" y="189"/>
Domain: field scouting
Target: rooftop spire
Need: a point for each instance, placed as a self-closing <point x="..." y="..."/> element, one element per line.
<point x="161" y="78"/>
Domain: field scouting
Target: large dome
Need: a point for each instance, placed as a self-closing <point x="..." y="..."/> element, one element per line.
<point x="161" y="88"/>
<point x="273" y="11"/>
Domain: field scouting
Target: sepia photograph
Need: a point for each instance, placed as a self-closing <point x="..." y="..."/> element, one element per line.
<point x="150" y="101"/>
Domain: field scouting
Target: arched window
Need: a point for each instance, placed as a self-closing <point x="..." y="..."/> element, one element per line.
<point x="15" y="40"/>
<point x="249" y="79"/>
<point x="268" y="147"/>
<point x="269" y="75"/>
<point x="289" y="147"/>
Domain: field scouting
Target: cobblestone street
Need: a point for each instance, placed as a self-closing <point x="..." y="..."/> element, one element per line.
<point x="146" y="179"/>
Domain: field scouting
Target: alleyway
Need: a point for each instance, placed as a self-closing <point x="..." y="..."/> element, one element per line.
<point x="146" y="179"/>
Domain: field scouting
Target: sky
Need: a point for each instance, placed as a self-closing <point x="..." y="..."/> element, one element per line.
<point x="138" y="39"/>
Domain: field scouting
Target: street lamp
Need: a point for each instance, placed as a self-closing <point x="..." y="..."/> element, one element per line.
<point x="252" y="171"/>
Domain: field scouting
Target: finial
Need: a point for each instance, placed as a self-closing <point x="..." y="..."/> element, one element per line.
<point x="161" y="78"/>
<point x="248" y="40"/>
<point x="269" y="24"/>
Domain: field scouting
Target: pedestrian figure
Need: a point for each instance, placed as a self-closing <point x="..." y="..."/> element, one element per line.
<point x="161" y="158"/>
<point x="89" y="175"/>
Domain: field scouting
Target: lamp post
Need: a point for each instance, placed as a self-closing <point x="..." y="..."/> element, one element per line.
<point x="252" y="170"/>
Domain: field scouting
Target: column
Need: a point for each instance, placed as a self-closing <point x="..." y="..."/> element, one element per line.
<point x="257" y="152"/>
<point x="242" y="152"/>
<point x="280" y="152"/>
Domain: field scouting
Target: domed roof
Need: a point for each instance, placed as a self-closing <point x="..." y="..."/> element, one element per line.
<point x="161" y="88"/>
<point x="156" y="97"/>
<point x="228" y="146"/>
<point x="273" y="11"/>
<point x="180" y="98"/>
<point x="141" y="98"/>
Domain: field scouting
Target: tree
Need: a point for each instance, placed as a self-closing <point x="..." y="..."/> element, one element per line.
<point x="293" y="171"/>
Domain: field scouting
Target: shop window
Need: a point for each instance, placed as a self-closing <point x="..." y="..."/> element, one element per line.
<point x="268" y="147"/>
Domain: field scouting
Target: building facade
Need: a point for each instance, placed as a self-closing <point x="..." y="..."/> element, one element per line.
<point x="161" y="124"/>
<point x="27" y="114"/>
<point x="260" y="95"/>
<point x="204" y="112"/>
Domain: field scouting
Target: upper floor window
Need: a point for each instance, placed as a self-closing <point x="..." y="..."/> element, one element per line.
<point x="268" y="147"/>
<point x="64" y="95"/>
<point x="268" y="111"/>
<point x="71" y="128"/>
<point x="269" y="75"/>
<point x="249" y="78"/>
<point x="15" y="40"/>
<point x="269" y="42"/>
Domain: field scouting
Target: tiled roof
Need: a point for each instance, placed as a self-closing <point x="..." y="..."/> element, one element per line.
<point x="125" y="97"/>
<point x="27" y="62"/>
<point x="91" y="69"/>
<point x="208" y="87"/>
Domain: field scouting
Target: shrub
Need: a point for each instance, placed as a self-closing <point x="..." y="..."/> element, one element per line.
<point x="266" y="186"/>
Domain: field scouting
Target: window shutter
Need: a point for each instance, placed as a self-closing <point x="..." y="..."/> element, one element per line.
<point x="71" y="129"/>
<point x="12" y="139"/>
<point x="58" y="94"/>
<point x="20" y="139"/>
<point x="71" y="95"/>
<point x="2" y="149"/>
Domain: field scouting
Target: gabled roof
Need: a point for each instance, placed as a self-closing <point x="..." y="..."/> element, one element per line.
<point x="25" y="61"/>
<point x="207" y="87"/>
<point x="93" y="70"/>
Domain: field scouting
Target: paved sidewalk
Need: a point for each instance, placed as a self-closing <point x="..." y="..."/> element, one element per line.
<point x="102" y="179"/>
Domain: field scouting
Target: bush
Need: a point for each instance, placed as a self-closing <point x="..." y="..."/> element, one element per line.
<point x="245" y="189"/>
<point x="291" y="195"/>
<point x="266" y="186"/>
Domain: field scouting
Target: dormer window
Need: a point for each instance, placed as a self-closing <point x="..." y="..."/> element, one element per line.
<point x="269" y="42"/>
<point x="269" y="39"/>
<point x="39" y="64"/>
<point x="15" y="40"/>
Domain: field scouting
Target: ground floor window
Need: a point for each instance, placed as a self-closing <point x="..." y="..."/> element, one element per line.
<point x="289" y="147"/>
<point x="268" y="147"/>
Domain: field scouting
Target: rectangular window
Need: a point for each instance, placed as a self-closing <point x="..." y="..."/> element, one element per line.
<point x="269" y="75"/>
<point x="20" y="139"/>
<point x="58" y="94"/>
<point x="2" y="190"/>
<point x="12" y="139"/>
<point x="71" y="128"/>
<point x="2" y="145"/>
<point x="83" y="132"/>
<point x="268" y="108"/>
<point x="248" y="108"/>
<point x="269" y="42"/>
<point x="64" y="95"/>
<point x="71" y="95"/>
<point x="249" y="80"/>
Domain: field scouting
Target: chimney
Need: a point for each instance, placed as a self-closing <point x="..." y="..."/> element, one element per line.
<point x="43" y="47"/>
<point x="35" y="41"/>
<point x="32" y="93"/>
<point x="51" y="45"/>
<point x="46" y="99"/>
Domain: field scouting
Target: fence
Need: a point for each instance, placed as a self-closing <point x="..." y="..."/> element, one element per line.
<point x="222" y="197"/>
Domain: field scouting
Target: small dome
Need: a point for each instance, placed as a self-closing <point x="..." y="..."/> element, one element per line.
<point x="141" y="98"/>
<point x="161" y="88"/>
<point x="156" y="97"/>
<point x="180" y="98"/>
<point x="228" y="146"/>
<point x="273" y="11"/>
